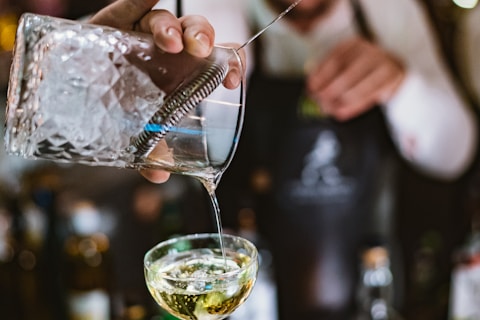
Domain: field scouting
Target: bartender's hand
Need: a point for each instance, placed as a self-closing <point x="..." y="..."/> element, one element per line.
<point x="192" y="33"/>
<point x="171" y="34"/>
<point x="355" y="76"/>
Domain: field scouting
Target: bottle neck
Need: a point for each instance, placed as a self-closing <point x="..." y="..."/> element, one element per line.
<point x="376" y="292"/>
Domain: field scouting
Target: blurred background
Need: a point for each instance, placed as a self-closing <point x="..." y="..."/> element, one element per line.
<point x="76" y="235"/>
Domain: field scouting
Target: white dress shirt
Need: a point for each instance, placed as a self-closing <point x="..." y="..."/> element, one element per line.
<point x="431" y="124"/>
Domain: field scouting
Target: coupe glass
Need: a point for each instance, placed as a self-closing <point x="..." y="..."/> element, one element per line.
<point x="83" y="93"/>
<point x="192" y="278"/>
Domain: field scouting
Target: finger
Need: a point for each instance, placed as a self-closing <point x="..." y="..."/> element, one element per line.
<point x="155" y="176"/>
<point x="355" y="102"/>
<point x="324" y="72"/>
<point x="165" y="28"/>
<point x="236" y="71"/>
<point x="123" y="14"/>
<point x="377" y="83"/>
<point x="377" y="86"/>
<point x="353" y="72"/>
<point x="198" y="35"/>
<point x="380" y="84"/>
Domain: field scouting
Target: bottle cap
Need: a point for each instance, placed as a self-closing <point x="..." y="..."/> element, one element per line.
<point x="375" y="257"/>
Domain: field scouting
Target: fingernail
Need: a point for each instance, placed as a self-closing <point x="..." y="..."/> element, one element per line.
<point x="174" y="33"/>
<point x="203" y="40"/>
<point x="233" y="80"/>
<point x="234" y="76"/>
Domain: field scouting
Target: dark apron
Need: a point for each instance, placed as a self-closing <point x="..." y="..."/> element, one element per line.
<point x="326" y="179"/>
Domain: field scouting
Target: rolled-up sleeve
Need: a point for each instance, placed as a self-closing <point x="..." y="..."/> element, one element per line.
<point x="431" y="122"/>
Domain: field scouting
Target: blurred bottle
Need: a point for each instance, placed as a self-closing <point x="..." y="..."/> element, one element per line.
<point x="465" y="280"/>
<point x="375" y="292"/>
<point x="9" y="299"/>
<point x="428" y="294"/>
<point x="23" y="261"/>
<point x="87" y="265"/>
<point x="262" y="303"/>
<point x="40" y="282"/>
<point x="33" y="263"/>
<point x="8" y="27"/>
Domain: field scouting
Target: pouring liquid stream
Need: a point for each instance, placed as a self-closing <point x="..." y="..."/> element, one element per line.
<point x="210" y="184"/>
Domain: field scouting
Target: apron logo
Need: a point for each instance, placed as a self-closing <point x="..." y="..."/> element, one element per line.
<point x="320" y="179"/>
<point x="320" y="162"/>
